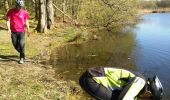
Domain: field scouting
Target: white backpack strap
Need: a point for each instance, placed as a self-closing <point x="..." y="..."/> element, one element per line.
<point x="133" y="90"/>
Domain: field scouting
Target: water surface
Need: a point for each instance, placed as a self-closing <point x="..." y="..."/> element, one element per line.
<point x="113" y="50"/>
<point x="152" y="51"/>
<point x="146" y="50"/>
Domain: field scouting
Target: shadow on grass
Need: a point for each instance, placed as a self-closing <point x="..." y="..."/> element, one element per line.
<point x="2" y="28"/>
<point x="8" y="58"/>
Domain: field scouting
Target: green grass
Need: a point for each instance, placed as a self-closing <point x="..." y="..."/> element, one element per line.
<point x="71" y="34"/>
<point x="33" y="80"/>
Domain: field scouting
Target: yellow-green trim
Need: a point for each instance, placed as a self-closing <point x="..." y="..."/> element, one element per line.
<point x="113" y="77"/>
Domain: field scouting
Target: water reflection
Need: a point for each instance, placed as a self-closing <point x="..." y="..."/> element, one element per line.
<point x="114" y="50"/>
<point x="152" y="51"/>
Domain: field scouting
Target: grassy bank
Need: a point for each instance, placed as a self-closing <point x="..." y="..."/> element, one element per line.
<point x="33" y="80"/>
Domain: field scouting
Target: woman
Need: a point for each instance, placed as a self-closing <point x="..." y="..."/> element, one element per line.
<point x="17" y="19"/>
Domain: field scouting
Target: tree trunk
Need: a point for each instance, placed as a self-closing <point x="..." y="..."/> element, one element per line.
<point x="50" y="14"/>
<point x="55" y="11"/>
<point x="64" y="9"/>
<point x="73" y="8"/>
<point x="36" y="7"/>
<point x="6" y="5"/>
<point x="42" y="22"/>
<point x="37" y="13"/>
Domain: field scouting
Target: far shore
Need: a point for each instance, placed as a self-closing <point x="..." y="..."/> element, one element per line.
<point x="159" y="10"/>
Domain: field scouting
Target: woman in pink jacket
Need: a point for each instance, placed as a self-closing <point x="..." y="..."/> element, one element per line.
<point x="17" y="19"/>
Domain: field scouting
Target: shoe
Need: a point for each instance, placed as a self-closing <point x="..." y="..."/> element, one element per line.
<point x="21" y="61"/>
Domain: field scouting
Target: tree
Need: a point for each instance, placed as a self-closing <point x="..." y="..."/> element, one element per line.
<point x="75" y="7"/>
<point x="97" y="13"/>
<point x="163" y="3"/>
<point x="50" y="14"/>
<point x="46" y="15"/>
<point x="36" y="7"/>
<point x="42" y="22"/>
<point x="108" y="13"/>
<point x="6" y="5"/>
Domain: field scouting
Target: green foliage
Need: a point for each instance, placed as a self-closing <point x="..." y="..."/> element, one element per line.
<point x="154" y="4"/>
<point x="163" y="3"/>
<point x="108" y="13"/>
<point x="148" y="4"/>
<point x="111" y="14"/>
<point x="101" y="13"/>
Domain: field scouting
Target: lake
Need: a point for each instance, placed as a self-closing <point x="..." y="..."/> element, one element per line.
<point x="145" y="49"/>
<point x="152" y="51"/>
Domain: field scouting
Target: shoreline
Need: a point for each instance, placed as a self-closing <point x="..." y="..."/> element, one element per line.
<point x="33" y="79"/>
<point x="161" y="10"/>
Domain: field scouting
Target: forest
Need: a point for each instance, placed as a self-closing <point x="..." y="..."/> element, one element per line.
<point x="155" y="4"/>
<point x="105" y="13"/>
<point x="94" y="13"/>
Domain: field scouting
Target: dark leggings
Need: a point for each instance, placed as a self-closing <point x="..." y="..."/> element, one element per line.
<point x="18" y="42"/>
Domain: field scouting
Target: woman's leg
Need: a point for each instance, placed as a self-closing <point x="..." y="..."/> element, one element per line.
<point x="14" y="37"/>
<point x="22" y="44"/>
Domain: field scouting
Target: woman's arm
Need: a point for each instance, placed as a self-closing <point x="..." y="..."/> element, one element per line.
<point x="8" y="25"/>
<point x="28" y="28"/>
